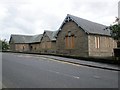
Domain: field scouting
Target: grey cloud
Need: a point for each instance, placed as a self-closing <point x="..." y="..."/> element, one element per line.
<point x="33" y="16"/>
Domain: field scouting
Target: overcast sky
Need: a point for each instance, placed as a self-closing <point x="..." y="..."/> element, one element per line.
<point x="31" y="17"/>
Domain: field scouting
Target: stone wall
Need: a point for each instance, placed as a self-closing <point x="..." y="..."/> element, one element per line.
<point x="12" y="45"/>
<point x="22" y="47"/>
<point x="83" y="45"/>
<point x="34" y="47"/>
<point x="80" y="40"/>
<point x="106" y="45"/>
<point x="47" y="46"/>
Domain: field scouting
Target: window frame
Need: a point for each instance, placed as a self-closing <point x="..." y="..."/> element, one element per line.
<point x="70" y="41"/>
<point x="97" y="42"/>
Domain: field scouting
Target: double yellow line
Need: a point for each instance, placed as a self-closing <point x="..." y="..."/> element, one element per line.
<point x="64" y="62"/>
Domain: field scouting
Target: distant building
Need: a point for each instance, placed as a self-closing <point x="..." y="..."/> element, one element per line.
<point x="19" y="43"/>
<point x="24" y="43"/>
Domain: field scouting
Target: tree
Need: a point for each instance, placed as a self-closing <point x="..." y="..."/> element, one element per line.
<point x="4" y="45"/>
<point x="115" y="31"/>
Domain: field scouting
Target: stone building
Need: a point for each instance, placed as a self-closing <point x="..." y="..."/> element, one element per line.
<point x="76" y="36"/>
<point x="19" y="43"/>
<point x="34" y="43"/>
<point x="80" y="37"/>
<point x="48" y="42"/>
<point x="24" y="43"/>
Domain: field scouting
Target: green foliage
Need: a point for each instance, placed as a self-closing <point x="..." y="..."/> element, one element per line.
<point x="115" y="31"/>
<point x="4" y="45"/>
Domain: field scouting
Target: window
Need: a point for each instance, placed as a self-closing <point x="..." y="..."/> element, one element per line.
<point x="70" y="41"/>
<point x="66" y="41"/>
<point x="73" y="41"/>
<point x="97" y="42"/>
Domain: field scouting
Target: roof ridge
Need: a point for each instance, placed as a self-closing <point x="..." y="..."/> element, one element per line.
<point x="19" y="35"/>
<point x="47" y="31"/>
<point x="86" y="19"/>
<point x="88" y="26"/>
<point x="37" y="35"/>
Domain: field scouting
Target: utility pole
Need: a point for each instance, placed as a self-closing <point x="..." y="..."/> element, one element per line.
<point x="119" y="12"/>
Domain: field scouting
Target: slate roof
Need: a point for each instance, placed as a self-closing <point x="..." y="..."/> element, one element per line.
<point x="26" y="39"/>
<point x="32" y="39"/>
<point x="51" y="34"/>
<point x="88" y="26"/>
<point x="36" y="38"/>
<point x="21" y="38"/>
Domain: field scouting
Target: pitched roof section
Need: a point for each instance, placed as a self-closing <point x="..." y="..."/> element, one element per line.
<point x="36" y="38"/>
<point x="32" y="39"/>
<point x="21" y="38"/>
<point x="88" y="26"/>
<point x="26" y="39"/>
<point x="51" y="34"/>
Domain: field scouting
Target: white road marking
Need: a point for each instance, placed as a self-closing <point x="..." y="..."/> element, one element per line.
<point x="76" y="77"/>
<point x="97" y="77"/>
<point x="26" y="56"/>
<point x="43" y="58"/>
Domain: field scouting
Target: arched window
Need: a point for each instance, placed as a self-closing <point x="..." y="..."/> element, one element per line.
<point x="70" y="40"/>
<point x="97" y="42"/>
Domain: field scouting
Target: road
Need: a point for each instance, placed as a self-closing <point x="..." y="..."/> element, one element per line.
<point x="31" y="71"/>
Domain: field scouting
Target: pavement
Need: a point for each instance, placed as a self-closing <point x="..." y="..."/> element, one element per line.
<point x="85" y="63"/>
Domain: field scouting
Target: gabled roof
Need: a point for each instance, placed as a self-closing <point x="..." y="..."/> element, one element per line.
<point x="36" y="38"/>
<point x="20" y="38"/>
<point x="32" y="39"/>
<point x="26" y="39"/>
<point x="88" y="26"/>
<point x="51" y="34"/>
